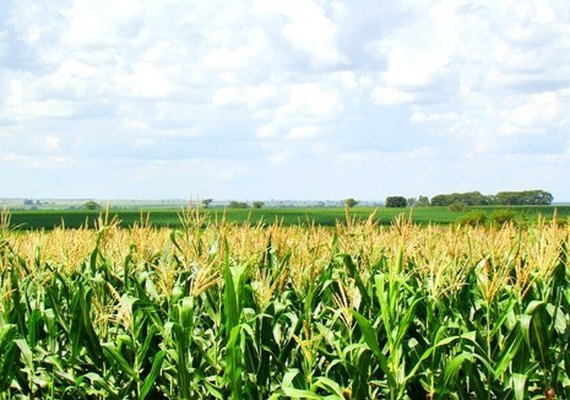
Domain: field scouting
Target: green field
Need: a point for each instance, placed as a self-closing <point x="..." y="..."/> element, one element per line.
<point x="328" y="216"/>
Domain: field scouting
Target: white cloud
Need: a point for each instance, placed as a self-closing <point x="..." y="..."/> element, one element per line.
<point x="390" y="96"/>
<point x="148" y="81"/>
<point x="266" y="131"/>
<point x="279" y="158"/>
<point x="535" y="115"/>
<point x="3" y="42"/>
<point x="307" y="29"/>
<point x="421" y="117"/>
<point x="240" y="57"/>
<point x="165" y="52"/>
<point x="142" y="143"/>
<point x="131" y="124"/>
<point x="310" y="100"/>
<point x="24" y="101"/>
<point x="251" y="96"/>
<point x="348" y="79"/>
<point x="375" y="156"/>
<point x="27" y="162"/>
<point x="478" y="71"/>
<point x="105" y="23"/>
<point x="419" y="53"/>
<point x="52" y="143"/>
<point x="302" y="116"/>
<point x="73" y="77"/>
<point x="304" y="132"/>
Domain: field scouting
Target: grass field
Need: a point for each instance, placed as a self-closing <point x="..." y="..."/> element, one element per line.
<point x="289" y="216"/>
<point x="242" y="311"/>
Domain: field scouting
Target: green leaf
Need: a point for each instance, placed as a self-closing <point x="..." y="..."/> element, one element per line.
<point x="153" y="374"/>
<point x="233" y="363"/>
<point x="35" y="321"/>
<point x="26" y="353"/>
<point x="368" y="332"/>
<point x="539" y="332"/>
<point x="213" y="390"/>
<point x="112" y="353"/>
<point x="330" y="386"/>
<point x="360" y="379"/>
<point x="144" y="348"/>
<point x="353" y="271"/>
<point x="371" y="339"/>
<point x="97" y="381"/>
<point x="230" y="302"/>
<point x="519" y="386"/>
<point x="182" y="343"/>
<point x="10" y="354"/>
<point x="510" y="350"/>
<point x="300" y="394"/>
<point x="186" y="312"/>
<point x="452" y="370"/>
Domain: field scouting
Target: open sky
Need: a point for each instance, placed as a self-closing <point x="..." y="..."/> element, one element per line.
<point x="283" y="99"/>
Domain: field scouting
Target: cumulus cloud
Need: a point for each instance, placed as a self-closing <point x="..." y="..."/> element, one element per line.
<point x="535" y="114"/>
<point x="307" y="29"/>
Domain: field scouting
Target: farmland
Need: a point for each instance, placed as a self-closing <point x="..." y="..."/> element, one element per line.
<point x="221" y="309"/>
<point x="327" y="216"/>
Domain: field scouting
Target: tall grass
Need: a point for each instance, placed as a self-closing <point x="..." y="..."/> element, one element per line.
<point x="224" y="310"/>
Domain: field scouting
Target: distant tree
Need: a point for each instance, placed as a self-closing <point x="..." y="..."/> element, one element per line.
<point x="206" y="202"/>
<point x="396" y="202"/>
<point x="543" y="197"/>
<point x="350" y="202"/>
<point x="91" y="205"/>
<point x="238" y="204"/>
<point x="440" y="200"/>
<point x="412" y="201"/>
<point x="469" y="198"/>
<point x="258" y="204"/>
<point x="28" y="202"/>
<point x="423" y="201"/>
<point x="527" y="197"/>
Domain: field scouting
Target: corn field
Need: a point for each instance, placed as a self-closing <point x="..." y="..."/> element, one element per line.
<point x="222" y="310"/>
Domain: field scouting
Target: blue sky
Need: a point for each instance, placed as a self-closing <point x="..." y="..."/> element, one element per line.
<point x="283" y="99"/>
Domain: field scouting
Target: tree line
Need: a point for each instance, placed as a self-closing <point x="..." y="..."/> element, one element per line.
<point x="521" y="198"/>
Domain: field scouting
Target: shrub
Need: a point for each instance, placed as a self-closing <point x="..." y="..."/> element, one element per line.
<point x="458" y="207"/>
<point x="473" y="218"/>
<point x="502" y="216"/>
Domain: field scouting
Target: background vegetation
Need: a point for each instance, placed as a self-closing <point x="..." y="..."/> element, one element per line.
<point x="324" y="216"/>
